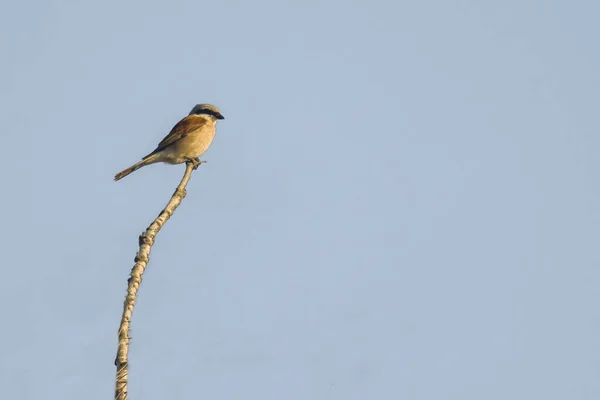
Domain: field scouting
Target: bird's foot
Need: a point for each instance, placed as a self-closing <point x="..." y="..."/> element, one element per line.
<point x="195" y="162"/>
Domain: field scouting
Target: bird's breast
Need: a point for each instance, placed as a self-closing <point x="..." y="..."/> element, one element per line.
<point x="197" y="142"/>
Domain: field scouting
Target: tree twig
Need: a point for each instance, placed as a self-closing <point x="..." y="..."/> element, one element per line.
<point x="133" y="283"/>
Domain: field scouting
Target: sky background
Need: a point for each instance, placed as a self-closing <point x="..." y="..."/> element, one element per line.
<point x="402" y="202"/>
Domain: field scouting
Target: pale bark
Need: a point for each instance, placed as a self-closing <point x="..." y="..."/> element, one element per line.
<point x="146" y="241"/>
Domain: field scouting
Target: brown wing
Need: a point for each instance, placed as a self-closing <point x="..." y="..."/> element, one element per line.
<point x="183" y="128"/>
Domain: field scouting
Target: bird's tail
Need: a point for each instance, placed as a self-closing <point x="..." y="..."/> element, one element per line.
<point x="146" y="161"/>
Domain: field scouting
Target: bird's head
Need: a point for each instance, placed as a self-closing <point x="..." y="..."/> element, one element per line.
<point x="207" y="109"/>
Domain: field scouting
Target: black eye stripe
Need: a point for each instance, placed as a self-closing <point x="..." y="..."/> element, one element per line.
<point x="207" y="111"/>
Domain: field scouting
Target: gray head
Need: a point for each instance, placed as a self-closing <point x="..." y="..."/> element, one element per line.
<point x="207" y="109"/>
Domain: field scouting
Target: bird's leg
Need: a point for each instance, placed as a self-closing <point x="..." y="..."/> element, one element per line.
<point x="195" y="161"/>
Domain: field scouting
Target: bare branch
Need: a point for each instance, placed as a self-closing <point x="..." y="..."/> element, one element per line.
<point x="133" y="283"/>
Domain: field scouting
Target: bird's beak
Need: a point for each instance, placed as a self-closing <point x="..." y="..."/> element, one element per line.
<point x="219" y="116"/>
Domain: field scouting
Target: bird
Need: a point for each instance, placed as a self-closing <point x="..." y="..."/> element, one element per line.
<point x="186" y="142"/>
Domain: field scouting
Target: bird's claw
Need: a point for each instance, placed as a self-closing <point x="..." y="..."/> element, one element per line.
<point x="195" y="162"/>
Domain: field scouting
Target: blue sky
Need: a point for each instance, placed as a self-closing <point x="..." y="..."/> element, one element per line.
<point x="402" y="201"/>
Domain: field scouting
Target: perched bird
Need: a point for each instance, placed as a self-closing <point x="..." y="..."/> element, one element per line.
<point x="187" y="141"/>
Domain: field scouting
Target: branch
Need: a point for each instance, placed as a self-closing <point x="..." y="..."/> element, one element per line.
<point x="133" y="283"/>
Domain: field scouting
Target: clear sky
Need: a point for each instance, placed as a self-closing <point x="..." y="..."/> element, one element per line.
<point x="402" y="203"/>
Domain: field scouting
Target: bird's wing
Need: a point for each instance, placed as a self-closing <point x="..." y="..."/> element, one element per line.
<point x="182" y="129"/>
